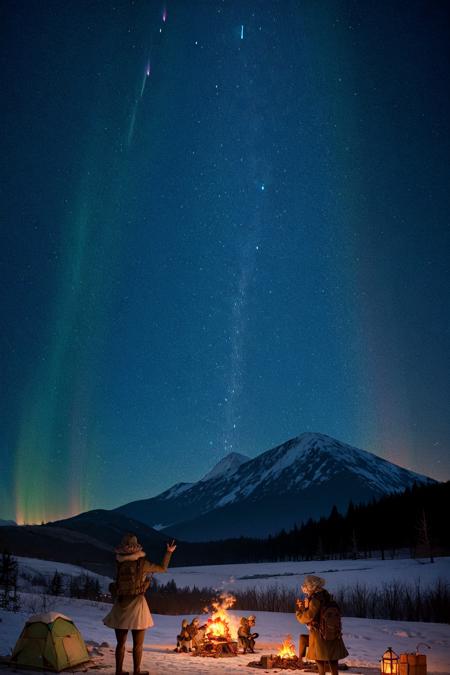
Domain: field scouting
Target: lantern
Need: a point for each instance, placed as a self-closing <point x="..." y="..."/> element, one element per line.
<point x="389" y="663"/>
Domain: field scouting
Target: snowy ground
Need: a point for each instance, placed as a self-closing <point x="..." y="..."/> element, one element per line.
<point x="337" y="573"/>
<point x="366" y="639"/>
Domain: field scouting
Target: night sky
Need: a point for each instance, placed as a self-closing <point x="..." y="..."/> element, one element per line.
<point x="223" y="224"/>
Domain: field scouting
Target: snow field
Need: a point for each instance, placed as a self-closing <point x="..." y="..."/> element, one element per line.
<point x="366" y="639"/>
<point x="289" y="575"/>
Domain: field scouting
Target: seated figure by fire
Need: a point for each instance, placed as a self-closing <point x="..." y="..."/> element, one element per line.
<point x="191" y="637"/>
<point x="184" y="643"/>
<point x="197" y="633"/>
<point x="246" y="637"/>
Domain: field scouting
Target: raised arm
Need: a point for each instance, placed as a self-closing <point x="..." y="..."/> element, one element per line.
<point x="153" y="567"/>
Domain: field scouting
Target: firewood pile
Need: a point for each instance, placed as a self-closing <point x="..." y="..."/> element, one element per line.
<point x="267" y="662"/>
<point x="280" y="662"/>
<point x="217" y="647"/>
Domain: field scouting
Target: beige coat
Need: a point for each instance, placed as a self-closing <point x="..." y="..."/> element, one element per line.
<point x="319" y="649"/>
<point x="132" y="612"/>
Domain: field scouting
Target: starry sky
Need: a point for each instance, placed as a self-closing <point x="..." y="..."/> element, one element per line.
<point x="223" y="224"/>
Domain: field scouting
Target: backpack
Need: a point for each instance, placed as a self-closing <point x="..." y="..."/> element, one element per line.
<point x="330" y="624"/>
<point x="130" y="580"/>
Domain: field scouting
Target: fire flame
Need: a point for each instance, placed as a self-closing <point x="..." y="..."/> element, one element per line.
<point x="217" y="628"/>
<point x="287" y="649"/>
<point x="220" y="624"/>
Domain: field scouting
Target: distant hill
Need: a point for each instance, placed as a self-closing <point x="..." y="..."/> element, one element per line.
<point x="87" y="540"/>
<point x="300" y="479"/>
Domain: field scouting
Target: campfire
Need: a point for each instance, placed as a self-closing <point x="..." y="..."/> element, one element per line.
<point x="221" y="629"/>
<point x="285" y="659"/>
<point x="287" y="649"/>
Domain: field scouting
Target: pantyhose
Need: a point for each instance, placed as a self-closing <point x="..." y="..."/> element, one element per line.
<point x="138" y="646"/>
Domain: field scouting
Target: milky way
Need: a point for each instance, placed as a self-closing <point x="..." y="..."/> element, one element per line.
<point x="224" y="224"/>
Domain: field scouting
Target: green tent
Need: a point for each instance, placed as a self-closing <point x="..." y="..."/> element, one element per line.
<point x="50" y="641"/>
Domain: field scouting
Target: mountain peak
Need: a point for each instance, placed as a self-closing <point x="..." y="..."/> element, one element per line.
<point x="226" y="466"/>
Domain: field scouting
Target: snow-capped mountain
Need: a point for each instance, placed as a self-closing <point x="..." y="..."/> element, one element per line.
<point x="297" y="480"/>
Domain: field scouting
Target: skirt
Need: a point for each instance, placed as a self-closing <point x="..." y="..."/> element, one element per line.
<point x="131" y="613"/>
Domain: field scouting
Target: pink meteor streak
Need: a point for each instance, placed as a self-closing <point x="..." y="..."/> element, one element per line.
<point x="164" y="15"/>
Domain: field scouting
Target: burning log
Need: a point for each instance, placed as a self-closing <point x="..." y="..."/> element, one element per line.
<point x="281" y="663"/>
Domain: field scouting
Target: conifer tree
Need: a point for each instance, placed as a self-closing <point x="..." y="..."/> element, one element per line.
<point x="9" y="598"/>
<point x="56" y="584"/>
<point x="74" y="587"/>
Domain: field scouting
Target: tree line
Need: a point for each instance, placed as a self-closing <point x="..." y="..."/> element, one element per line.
<point x="393" y="600"/>
<point x="412" y="522"/>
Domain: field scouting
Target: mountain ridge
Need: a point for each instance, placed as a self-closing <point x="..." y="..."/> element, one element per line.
<point x="297" y="469"/>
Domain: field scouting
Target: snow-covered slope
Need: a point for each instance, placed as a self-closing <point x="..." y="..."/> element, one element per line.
<point x="368" y="573"/>
<point x="227" y="466"/>
<point x="176" y="490"/>
<point x="301" y="478"/>
<point x="33" y="570"/>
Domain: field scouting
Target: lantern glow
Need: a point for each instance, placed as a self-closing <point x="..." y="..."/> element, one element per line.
<point x="389" y="663"/>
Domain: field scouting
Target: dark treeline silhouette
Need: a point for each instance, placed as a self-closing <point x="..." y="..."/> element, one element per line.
<point x="413" y="522"/>
<point x="391" y="600"/>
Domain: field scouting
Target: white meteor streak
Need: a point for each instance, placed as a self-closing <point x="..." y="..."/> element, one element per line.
<point x="242" y="31"/>
<point x="145" y="78"/>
